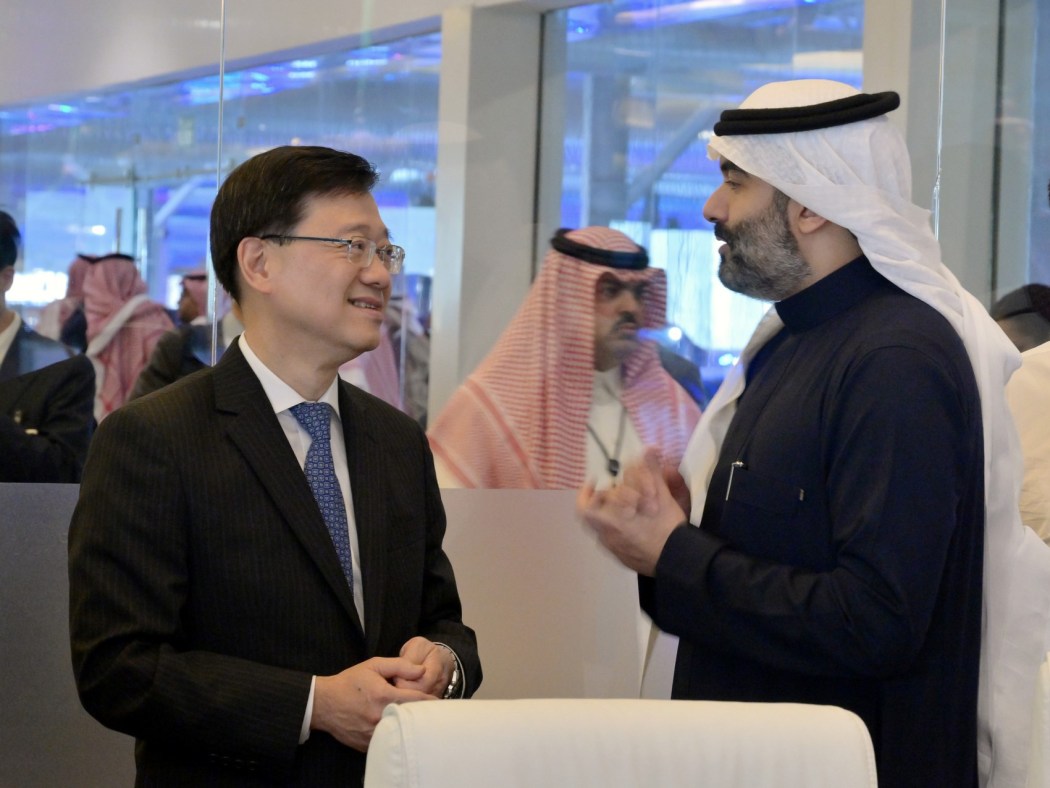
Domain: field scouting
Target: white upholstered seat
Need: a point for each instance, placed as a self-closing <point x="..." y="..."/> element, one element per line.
<point x="599" y="743"/>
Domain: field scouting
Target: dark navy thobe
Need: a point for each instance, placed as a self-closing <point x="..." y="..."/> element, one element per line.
<point x="840" y="553"/>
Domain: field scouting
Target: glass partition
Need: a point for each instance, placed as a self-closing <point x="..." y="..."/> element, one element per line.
<point x="630" y="89"/>
<point x="379" y="101"/>
<point x="133" y="170"/>
<point x="1023" y="151"/>
<point x="126" y="169"/>
<point x="639" y="87"/>
<point x="103" y="150"/>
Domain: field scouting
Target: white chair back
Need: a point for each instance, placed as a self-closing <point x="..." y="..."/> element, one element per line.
<point x="599" y="743"/>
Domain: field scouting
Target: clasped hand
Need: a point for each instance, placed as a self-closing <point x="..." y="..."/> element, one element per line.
<point x="350" y="704"/>
<point x="634" y="519"/>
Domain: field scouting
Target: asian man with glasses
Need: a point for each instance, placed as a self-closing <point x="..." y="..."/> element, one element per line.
<point x="256" y="563"/>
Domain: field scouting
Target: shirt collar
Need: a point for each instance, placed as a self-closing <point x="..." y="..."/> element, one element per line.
<point x="608" y="386"/>
<point x="831" y="296"/>
<point x="281" y="395"/>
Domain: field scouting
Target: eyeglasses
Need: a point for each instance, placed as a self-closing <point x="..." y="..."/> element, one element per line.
<point x="359" y="251"/>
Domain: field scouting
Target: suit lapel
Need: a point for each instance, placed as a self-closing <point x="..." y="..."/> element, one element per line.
<point x="368" y="481"/>
<point x="253" y="427"/>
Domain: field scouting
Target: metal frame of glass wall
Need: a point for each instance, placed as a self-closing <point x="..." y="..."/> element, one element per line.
<point x="619" y="95"/>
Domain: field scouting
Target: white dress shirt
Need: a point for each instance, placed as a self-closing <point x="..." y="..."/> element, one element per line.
<point x="283" y="397"/>
<point x="606" y="417"/>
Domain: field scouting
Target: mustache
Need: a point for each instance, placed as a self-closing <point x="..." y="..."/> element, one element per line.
<point x="723" y="233"/>
<point x="626" y="320"/>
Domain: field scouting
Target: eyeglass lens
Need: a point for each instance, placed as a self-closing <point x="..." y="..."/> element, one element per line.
<point x="361" y="250"/>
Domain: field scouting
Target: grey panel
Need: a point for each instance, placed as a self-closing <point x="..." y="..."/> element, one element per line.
<point x="46" y="737"/>
<point x="506" y="544"/>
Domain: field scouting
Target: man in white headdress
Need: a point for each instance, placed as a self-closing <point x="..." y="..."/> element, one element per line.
<point x="855" y="478"/>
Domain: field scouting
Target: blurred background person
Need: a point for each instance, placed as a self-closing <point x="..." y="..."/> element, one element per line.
<point x="410" y="341"/>
<point x="188" y="348"/>
<point x="398" y="370"/>
<point x="570" y="391"/>
<point x="1024" y="314"/>
<point x="46" y="392"/>
<point x="64" y="319"/>
<point x="123" y="327"/>
<point x="376" y="371"/>
<point x="1028" y="393"/>
<point x="193" y="301"/>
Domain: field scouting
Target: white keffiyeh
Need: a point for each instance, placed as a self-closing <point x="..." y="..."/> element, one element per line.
<point x="858" y="175"/>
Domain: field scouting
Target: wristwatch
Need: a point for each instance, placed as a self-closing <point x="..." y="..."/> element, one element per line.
<point x="452" y="690"/>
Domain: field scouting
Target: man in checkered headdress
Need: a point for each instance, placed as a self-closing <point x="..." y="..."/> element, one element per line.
<point x="570" y="391"/>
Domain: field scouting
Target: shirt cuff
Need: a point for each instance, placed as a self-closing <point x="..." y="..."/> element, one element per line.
<point x="304" y="732"/>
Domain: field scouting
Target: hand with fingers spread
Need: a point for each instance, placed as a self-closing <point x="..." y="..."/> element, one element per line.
<point x="634" y="519"/>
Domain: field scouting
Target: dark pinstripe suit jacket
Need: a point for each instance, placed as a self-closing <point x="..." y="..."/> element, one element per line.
<point x="205" y="591"/>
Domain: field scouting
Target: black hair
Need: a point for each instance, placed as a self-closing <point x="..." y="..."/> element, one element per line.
<point x="267" y="194"/>
<point x="10" y="240"/>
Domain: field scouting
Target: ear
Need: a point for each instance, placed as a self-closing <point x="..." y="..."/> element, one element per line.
<point x="808" y="221"/>
<point x="7" y="278"/>
<point x="253" y="262"/>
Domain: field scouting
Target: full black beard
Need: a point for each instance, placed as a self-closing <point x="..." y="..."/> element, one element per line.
<point x="762" y="259"/>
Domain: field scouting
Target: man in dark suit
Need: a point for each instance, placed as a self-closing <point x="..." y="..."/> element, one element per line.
<point x="46" y="393"/>
<point x="242" y="613"/>
<point x="183" y="351"/>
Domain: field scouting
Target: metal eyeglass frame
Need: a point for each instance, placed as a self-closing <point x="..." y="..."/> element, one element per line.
<point x="391" y="256"/>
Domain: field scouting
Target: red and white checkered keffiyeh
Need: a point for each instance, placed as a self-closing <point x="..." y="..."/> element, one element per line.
<point x="123" y="326"/>
<point x="520" y="419"/>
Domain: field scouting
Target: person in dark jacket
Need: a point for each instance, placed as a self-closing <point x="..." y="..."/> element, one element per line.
<point x="46" y="392"/>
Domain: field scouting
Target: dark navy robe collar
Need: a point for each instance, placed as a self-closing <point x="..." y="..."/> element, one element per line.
<point x="831" y="296"/>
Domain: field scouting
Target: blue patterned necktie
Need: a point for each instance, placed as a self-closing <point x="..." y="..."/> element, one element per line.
<point x="320" y="473"/>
